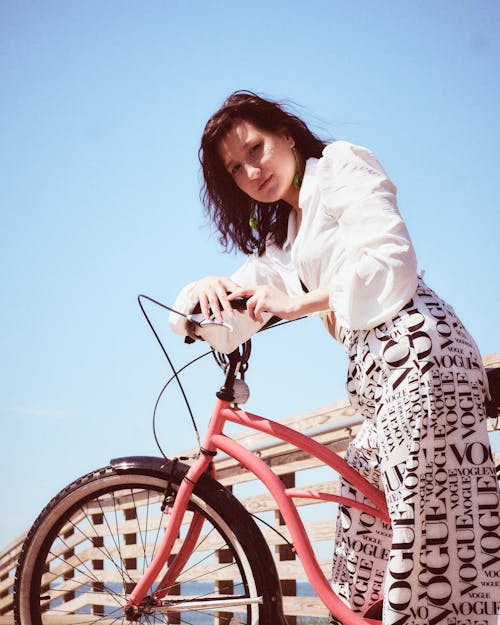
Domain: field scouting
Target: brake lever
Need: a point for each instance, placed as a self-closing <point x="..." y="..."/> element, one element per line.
<point x="201" y="321"/>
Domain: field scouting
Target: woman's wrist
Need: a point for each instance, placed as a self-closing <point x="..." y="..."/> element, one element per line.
<point x="312" y="302"/>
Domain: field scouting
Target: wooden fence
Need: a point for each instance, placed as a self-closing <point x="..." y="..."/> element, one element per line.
<point x="334" y="426"/>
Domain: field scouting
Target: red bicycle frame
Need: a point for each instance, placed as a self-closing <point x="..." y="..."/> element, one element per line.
<point x="215" y="440"/>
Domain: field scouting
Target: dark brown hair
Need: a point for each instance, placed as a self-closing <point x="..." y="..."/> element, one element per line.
<point x="225" y="204"/>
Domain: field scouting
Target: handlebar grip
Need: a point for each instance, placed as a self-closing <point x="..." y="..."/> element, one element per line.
<point x="237" y="304"/>
<point x="240" y="303"/>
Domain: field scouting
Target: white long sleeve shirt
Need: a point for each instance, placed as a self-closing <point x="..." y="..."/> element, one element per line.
<point x="351" y="238"/>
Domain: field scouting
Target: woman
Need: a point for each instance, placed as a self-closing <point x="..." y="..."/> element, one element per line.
<point x="323" y="233"/>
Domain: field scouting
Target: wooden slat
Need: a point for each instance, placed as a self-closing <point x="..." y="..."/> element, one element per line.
<point x="310" y="606"/>
<point x="492" y="360"/>
<point x="293" y="569"/>
<point x="265" y="502"/>
<point x="318" y="531"/>
<point x="287" y="459"/>
<point x="6" y="603"/>
<point x="5" y="584"/>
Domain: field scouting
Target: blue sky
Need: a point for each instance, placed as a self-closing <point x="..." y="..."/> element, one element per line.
<point x="101" y="111"/>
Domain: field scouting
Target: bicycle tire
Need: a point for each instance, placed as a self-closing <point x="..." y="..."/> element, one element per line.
<point x="88" y="547"/>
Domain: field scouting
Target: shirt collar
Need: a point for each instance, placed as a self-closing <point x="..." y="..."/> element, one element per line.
<point x="291" y="233"/>
<point x="308" y="183"/>
<point x="305" y="195"/>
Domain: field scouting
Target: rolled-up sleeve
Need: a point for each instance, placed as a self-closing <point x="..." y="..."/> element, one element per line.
<point x="256" y="271"/>
<point x="375" y="268"/>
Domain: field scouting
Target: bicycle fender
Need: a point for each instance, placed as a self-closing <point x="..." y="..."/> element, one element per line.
<point x="127" y="464"/>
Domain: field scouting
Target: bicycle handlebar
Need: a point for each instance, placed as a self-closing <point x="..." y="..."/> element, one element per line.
<point x="236" y="304"/>
<point x="223" y="337"/>
<point x="228" y="335"/>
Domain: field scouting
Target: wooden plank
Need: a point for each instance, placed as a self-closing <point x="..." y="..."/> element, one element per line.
<point x="288" y="460"/>
<point x="318" y="531"/>
<point x="5" y="584"/>
<point x="264" y="502"/>
<point x="10" y="555"/>
<point x="492" y="360"/>
<point x="306" y="606"/>
<point x="7" y="603"/>
<point x="293" y="569"/>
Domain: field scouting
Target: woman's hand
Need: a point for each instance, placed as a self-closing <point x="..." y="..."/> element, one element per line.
<point x="212" y="293"/>
<point x="267" y="298"/>
<point x="270" y="299"/>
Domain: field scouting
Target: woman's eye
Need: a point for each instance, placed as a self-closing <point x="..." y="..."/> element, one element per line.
<point x="255" y="148"/>
<point x="235" y="170"/>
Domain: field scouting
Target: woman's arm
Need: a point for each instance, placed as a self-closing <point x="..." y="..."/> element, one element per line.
<point x="212" y="292"/>
<point x="375" y="273"/>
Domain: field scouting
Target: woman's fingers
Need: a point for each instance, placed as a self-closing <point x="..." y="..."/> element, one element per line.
<point x="205" y="305"/>
<point x="212" y="293"/>
<point x="245" y="294"/>
<point x="260" y="307"/>
<point x="220" y="302"/>
<point x="265" y="299"/>
<point x="241" y="292"/>
<point x="252" y="310"/>
<point x="210" y="301"/>
<point x="215" y="295"/>
<point x="256" y="301"/>
<point x="269" y="299"/>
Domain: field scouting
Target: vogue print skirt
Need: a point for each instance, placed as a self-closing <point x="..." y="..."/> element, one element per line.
<point x="419" y="382"/>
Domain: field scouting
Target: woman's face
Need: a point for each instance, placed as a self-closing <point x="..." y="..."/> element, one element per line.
<point x="261" y="163"/>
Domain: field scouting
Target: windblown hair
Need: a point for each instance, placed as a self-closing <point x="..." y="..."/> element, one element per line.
<point x="229" y="208"/>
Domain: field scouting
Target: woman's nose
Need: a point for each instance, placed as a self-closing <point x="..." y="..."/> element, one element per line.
<point x="253" y="172"/>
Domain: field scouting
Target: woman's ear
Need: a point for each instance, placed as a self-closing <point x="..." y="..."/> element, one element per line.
<point x="288" y="137"/>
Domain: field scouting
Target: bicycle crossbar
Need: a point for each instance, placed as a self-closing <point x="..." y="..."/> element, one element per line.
<point x="312" y="432"/>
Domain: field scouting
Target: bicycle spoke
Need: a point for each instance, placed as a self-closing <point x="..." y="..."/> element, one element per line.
<point x="120" y="569"/>
<point x="104" y="551"/>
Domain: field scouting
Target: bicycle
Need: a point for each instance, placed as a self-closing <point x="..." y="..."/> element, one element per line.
<point x="200" y="557"/>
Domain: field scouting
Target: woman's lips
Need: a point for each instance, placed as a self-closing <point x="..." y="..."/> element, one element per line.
<point x="264" y="183"/>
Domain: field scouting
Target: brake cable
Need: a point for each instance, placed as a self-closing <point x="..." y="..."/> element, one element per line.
<point x="221" y="360"/>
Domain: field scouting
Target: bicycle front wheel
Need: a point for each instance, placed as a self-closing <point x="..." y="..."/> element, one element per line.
<point x="91" y="544"/>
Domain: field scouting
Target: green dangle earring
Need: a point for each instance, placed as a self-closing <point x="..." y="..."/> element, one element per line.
<point x="253" y="223"/>
<point x="297" y="179"/>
